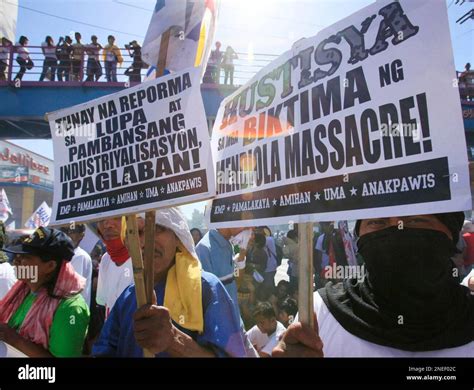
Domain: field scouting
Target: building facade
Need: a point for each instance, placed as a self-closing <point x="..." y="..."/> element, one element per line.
<point x="27" y="179"/>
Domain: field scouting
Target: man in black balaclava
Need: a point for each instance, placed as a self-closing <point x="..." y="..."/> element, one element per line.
<point x="409" y="304"/>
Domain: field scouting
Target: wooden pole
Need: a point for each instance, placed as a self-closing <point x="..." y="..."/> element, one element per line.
<point x="138" y="269"/>
<point x="150" y="222"/>
<point x="149" y="254"/>
<point x="305" y="274"/>
<point x="143" y="271"/>
<point x="161" y="65"/>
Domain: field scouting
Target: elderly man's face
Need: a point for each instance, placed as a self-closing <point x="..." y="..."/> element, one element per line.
<point x="110" y="228"/>
<point x="166" y="243"/>
<point x="413" y="221"/>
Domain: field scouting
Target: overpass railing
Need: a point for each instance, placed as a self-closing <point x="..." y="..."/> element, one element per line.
<point x="247" y="65"/>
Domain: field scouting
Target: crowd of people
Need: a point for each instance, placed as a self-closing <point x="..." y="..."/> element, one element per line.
<point x="65" y="59"/>
<point x="224" y="293"/>
<point x="218" y="61"/>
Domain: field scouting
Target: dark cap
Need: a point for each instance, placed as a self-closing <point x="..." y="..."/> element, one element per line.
<point x="46" y="242"/>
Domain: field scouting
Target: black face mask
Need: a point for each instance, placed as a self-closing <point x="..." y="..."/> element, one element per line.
<point x="409" y="269"/>
<point x="410" y="298"/>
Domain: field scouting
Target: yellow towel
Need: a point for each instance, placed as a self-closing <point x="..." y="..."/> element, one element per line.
<point x="123" y="231"/>
<point x="183" y="293"/>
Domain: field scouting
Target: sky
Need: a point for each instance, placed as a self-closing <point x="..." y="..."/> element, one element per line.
<point x="266" y="27"/>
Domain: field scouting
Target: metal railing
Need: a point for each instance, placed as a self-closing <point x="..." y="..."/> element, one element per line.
<point x="245" y="67"/>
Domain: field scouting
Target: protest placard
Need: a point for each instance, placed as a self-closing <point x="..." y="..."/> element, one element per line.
<point x="41" y="217"/>
<point x="5" y="208"/>
<point x="361" y="120"/>
<point x="139" y="149"/>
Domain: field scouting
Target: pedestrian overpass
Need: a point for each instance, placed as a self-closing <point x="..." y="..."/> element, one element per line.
<point x="24" y="105"/>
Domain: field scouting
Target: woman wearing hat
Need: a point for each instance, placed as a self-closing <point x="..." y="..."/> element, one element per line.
<point x="44" y="314"/>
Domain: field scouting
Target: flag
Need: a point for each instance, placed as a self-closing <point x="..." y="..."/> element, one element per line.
<point x="5" y="208"/>
<point x="40" y="217"/>
<point x="192" y="25"/>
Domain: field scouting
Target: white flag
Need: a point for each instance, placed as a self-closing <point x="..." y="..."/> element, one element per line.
<point x="5" y="208"/>
<point x="192" y="25"/>
<point x="40" y="217"/>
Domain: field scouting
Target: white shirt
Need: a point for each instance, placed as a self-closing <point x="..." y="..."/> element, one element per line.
<point x="466" y="280"/>
<point x="257" y="337"/>
<point x="263" y="342"/>
<point x="110" y="56"/>
<point x="112" y="281"/>
<point x="82" y="264"/>
<point x="93" y="51"/>
<point x="338" y="342"/>
<point x="23" y="52"/>
<point x="7" y="278"/>
<point x="273" y="339"/>
<point x="49" y="51"/>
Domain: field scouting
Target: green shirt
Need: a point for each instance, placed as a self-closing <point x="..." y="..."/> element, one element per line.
<point x="69" y="328"/>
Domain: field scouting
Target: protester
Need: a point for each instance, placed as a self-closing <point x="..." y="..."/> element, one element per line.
<point x="247" y="285"/>
<point x="257" y="263"/>
<point x="94" y="68"/>
<point x="281" y="292"/>
<point x="468" y="237"/>
<point x="409" y="304"/>
<point x="4" y="57"/>
<point x="112" y="56"/>
<point x="50" y="62"/>
<point x="463" y="75"/>
<point x="7" y="273"/>
<point x="197" y="235"/>
<point x="23" y="57"/>
<point x="35" y="315"/>
<point x="287" y="310"/>
<point x="265" y="335"/>
<point x="64" y="53"/>
<point x="193" y="315"/>
<point x="97" y="311"/>
<point x="216" y="256"/>
<point x="247" y="299"/>
<point x="228" y="65"/>
<point x="291" y="252"/>
<point x="214" y="64"/>
<point x="272" y="262"/>
<point x="81" y="261"/>
<point x="77" y="58"/>
<point x="134" y="71"/>
<point x="330" y="250"/>
<point x="116" y="269"/>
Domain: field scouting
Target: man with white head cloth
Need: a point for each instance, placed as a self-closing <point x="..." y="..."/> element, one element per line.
<point x="193" y="315"/>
